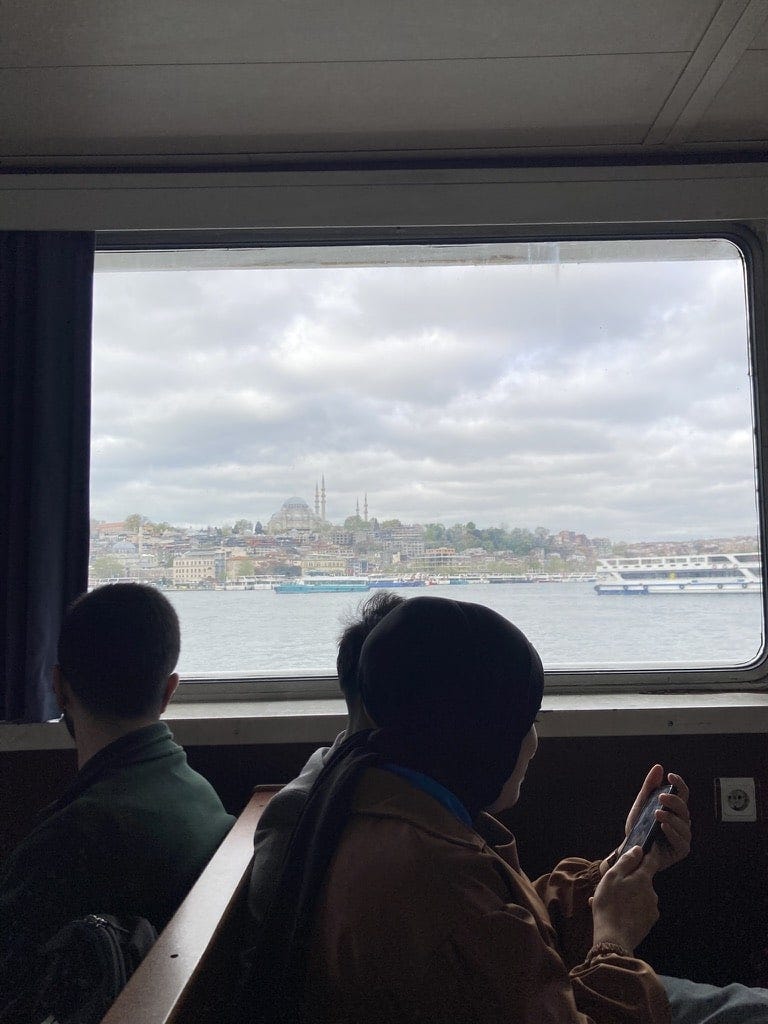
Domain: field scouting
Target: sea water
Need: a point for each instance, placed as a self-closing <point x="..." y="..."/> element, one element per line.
<point x="226" y="633"/>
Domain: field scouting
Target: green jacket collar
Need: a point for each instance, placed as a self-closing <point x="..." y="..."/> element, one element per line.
<point x="146" y="744"/>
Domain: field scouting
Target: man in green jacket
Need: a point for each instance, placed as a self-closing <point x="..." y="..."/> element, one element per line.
<point x="137" y="825"/>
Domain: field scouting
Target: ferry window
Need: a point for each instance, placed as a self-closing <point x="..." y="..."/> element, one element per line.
<point x="560" y="430"/>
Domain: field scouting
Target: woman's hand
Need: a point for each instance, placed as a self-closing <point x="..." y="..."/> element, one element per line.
<point x="673" y="816"/>
<point x="625" y="906"/>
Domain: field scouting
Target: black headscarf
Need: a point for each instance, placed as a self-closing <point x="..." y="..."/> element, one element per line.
<point x="454" y="688"/>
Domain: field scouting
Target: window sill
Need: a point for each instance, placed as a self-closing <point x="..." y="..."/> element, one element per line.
<point x="240" y="723"/>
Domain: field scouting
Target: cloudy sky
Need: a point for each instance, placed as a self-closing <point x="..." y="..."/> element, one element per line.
<point x="608" y="398"/>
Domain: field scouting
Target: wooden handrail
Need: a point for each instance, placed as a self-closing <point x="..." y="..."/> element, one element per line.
<point x="157" y="989"/>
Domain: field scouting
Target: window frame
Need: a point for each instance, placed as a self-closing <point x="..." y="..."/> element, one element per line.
<point x="753" y="676"/>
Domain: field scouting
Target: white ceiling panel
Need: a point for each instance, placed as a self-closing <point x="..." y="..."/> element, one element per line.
<point x="740" y="109"/>
<point x="38" y="33"/>
<point x="557" y="101"/>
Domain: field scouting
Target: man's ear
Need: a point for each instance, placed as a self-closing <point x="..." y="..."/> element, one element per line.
<point x="358" y="715"/>
<point x="170" y="689"/>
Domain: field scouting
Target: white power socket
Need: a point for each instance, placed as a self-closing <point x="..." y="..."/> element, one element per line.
<point x="735" y="799"/>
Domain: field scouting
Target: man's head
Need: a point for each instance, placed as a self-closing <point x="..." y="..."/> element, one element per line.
<point x="118" y="648"/>
<point x="351" y="641"/>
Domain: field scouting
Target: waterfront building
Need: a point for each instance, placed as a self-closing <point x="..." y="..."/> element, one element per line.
<point x="325" y="563"/>
<point x="198" y="567"/>
<point x="405" y="541"/>
<point x="435" y="559"/>
<point x="106" y="530"/>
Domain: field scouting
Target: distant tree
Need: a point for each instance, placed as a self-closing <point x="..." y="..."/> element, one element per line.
<point x="106" y="566"/>
<point x="258" y="528"/>
<point x="434" y="534"/>
<point x="133" y="522"/>
<point x="521" y="541"/>
<point x="246" y="568"/>
<point x="243" y="526"/>
<point x="354" y="523"/>
<point x="390" y="524"/>
<point x="459" y="537"/>
<point x="495" y="538"/>
<point x="163" y="528"/>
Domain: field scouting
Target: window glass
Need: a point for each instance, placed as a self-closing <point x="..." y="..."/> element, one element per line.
<point x="560" y="430"/>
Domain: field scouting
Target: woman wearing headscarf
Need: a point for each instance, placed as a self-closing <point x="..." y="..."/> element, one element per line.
<point x="402" y="897"/>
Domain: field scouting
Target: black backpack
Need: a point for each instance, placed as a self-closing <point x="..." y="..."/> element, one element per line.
<point x="79" y="973"/>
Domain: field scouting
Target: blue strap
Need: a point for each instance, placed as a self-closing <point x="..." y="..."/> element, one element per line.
<point x="435" y="789"/>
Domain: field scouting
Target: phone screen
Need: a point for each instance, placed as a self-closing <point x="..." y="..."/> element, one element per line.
<point x="646" y="830"/>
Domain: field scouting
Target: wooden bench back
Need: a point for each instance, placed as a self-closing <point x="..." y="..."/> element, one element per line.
<point x="180" y="979"/>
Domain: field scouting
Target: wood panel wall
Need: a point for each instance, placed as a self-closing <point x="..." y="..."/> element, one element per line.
<point x="714" y="907"/>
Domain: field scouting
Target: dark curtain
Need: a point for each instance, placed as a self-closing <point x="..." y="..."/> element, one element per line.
<point x="45" y="398"/>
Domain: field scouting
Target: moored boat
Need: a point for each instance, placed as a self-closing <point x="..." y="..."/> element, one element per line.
<point x="324" y="585"/>
<point x="717" y="573"/>
<point x="394" y="584"/>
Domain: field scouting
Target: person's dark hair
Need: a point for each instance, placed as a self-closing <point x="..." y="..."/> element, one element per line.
<point x="454" y="687"/>
<point x="117" y="647"/>
<point x="351" y="641"/>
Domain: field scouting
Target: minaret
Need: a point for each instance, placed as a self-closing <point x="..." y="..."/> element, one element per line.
<point x="357" y="508"/>
<point x="317" y="500"/>
<point x="365" y="508"/>
<point x="322" y="498"/>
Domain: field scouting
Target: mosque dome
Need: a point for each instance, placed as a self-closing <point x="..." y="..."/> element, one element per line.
<point x="294" y="515"/>
<point x="124" y="547"/>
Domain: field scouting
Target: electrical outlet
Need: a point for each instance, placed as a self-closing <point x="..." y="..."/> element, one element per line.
<point x="735" y="800"/>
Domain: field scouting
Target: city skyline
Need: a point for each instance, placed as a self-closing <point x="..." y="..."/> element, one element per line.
<point x="97" y="525"/>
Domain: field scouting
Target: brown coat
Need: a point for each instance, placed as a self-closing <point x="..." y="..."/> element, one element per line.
<point x="423" y="919"/>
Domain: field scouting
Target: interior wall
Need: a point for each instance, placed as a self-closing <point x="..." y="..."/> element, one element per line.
<point x="371" y="203"/>
<point x="714" y="907"/>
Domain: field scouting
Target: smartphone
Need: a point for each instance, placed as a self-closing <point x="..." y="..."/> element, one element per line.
<point x="647" y="830"/>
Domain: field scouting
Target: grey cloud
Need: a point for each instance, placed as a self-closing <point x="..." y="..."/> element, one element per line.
<point x="609" y="405"/>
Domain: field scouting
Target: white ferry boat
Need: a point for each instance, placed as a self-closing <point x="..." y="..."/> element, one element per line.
<point x="722" y="573"/>
<point x="251" y="583"/>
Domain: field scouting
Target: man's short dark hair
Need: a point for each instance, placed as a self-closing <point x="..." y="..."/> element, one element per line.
<point x="351" y="641"/>
<point x="117" y="647"/>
